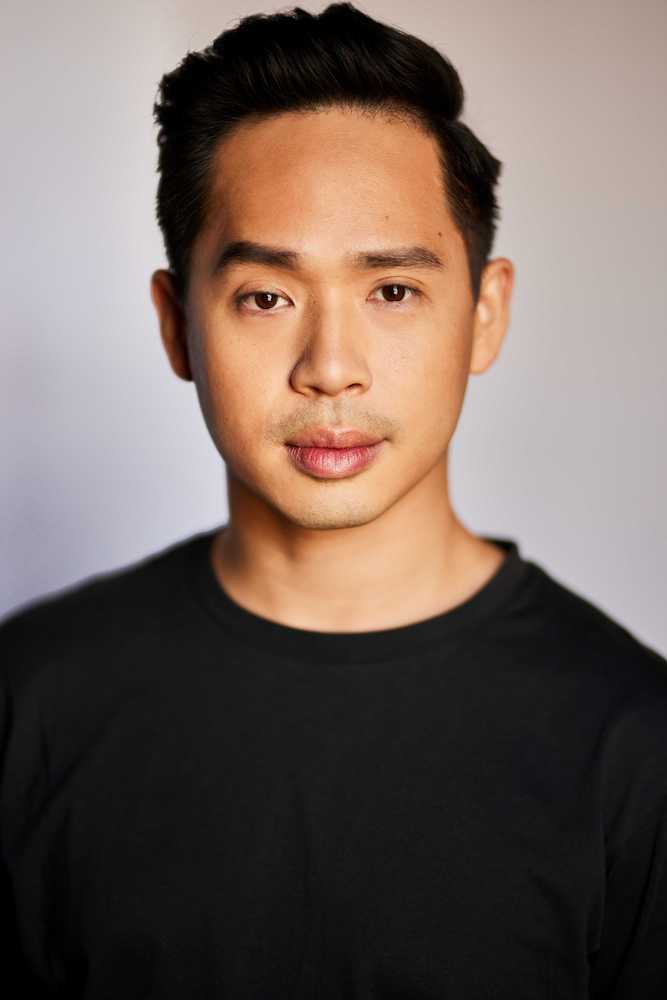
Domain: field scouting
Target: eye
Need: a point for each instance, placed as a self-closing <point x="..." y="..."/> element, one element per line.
<point x="397" y="296"/>
<point x="265" y="300"/>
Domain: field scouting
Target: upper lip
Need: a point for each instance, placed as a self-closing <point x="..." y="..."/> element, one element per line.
<point x="331" y="437"/>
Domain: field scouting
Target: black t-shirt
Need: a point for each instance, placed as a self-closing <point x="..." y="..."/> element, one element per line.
<point x="199" y="802"/>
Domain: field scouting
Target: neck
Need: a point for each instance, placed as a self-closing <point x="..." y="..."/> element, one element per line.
<point x="413" y="561"/>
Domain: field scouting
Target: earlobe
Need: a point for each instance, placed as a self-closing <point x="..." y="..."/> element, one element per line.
<point x="173" y="327"/>
<point x="492" y="314"/>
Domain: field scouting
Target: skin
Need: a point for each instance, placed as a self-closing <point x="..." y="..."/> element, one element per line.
<point x="381" y="548"/>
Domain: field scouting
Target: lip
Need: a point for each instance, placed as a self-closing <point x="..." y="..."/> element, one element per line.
<point x="333" y="437"/>
<point x="333" y="463"/>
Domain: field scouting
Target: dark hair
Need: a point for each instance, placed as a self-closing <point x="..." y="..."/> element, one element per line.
<point x="295" y="60"/>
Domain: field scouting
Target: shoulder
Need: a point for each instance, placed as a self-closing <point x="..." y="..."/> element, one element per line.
<point x="83" y="663"/>
<point x="577" y="638"/>
<point x="99" y="615"/>
<point x="608" y="689"/>
<point x="595" y="642"/>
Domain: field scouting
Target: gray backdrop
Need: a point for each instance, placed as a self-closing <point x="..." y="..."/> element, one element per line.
<point x="561" y="444"/>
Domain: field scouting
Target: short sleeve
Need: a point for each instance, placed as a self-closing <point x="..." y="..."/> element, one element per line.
<point x="631" y="962"/>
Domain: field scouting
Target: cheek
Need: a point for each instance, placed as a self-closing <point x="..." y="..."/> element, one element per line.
<point x="430" y="377"/>
<point x="238" y="395"/>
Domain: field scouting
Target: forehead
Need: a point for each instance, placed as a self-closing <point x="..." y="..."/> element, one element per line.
<point x="326" y="176"/>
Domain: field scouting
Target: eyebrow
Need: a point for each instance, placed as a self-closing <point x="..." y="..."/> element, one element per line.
<point x="248" y="251"/>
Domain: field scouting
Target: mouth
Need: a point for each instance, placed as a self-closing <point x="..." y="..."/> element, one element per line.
<point x="333" y="437"/>
<point x="333" y="462"/>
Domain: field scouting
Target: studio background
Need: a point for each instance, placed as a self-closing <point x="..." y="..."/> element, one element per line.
<point x="561" y="443"/>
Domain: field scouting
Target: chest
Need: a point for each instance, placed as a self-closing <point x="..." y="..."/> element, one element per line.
<point x="364" y="857"/>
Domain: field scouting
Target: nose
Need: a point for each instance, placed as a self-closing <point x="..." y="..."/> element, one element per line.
<point x="333" y="352"/>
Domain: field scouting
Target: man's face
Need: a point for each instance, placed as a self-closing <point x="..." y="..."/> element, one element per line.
<point x="334" y="344"/>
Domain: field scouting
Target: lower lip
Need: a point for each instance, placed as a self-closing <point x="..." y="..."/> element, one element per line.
<point x="333" y="463"/>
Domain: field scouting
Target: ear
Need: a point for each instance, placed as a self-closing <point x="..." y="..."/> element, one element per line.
<point x="492" y="313"/>
<point x="173" y="326"/>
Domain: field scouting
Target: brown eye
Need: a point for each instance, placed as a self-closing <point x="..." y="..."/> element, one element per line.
<point x="261" y="300"/>
<point x="395" y="293"/>
<point x="265" y="300"/>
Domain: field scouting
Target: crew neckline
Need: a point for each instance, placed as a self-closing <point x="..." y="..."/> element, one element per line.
<point x="280" y="640"/>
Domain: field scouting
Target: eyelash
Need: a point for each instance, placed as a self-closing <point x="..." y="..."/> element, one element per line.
<point x="416" y="293"/>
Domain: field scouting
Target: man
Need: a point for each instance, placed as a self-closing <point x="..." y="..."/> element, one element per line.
<point x="342" y="746"/>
